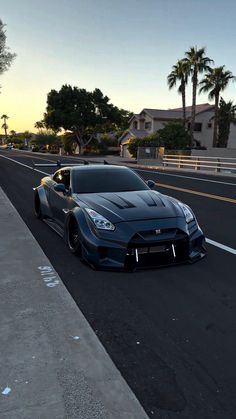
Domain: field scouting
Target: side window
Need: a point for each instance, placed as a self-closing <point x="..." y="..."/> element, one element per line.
<point x="57" y="177"/>
<point x="65" y="178"/>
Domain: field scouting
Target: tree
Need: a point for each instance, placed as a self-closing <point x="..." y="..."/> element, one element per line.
<point x="180" y="73"/>
<point x="69" y="142"/>
<point x="18" y="140"/>
<point x="12" y="136"/>
<point x="4" y="125"/>
<point x="81" y="112"/>
<point x="227" y="114"/>
<point x="6" y="57"/>
<point x="174" y="136"/>
<point x="39" y="125"/>
<point x="133" y="145"/>
<point x="214" y="82"/>
<point x="27" y="137"/>
<point x="48" y="139"/>
<point x="12" y="133"/>
<point x="198" y="63"/>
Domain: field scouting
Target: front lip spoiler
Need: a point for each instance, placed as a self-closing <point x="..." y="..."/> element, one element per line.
<point x="145" y="268"/>
<point x="107" y="263"/>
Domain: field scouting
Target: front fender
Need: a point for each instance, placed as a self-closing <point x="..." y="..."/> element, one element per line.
<point x="45" y="207"/>
<point x="80" y="217"/>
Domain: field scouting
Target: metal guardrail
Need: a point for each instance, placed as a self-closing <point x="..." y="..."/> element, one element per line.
<point x="217" y="164"/>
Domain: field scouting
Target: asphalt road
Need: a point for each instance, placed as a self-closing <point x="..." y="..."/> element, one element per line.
<point x="171" y="331"/>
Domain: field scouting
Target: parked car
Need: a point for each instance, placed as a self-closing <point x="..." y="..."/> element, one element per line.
<point x="113" y="219"/>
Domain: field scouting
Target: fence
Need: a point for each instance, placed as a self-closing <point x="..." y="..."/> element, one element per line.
<point x="155" y="156"/>
<point x="216" y="164"/>
<point x="147" y="153"/>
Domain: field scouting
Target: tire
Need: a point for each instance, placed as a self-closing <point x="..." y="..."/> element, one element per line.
<point x="73" y="240"/>
<point x="37" y="207"/>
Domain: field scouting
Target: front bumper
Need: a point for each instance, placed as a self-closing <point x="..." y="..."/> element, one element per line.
<point x="144" y="244"/>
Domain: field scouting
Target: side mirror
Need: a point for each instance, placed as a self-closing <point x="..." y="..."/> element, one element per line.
<point x="151" y="184"/>
<point x="60" y="187"/>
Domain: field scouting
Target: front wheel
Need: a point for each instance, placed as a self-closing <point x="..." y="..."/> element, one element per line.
<point x="37" y="207"/>
<point x="73" y="237"/>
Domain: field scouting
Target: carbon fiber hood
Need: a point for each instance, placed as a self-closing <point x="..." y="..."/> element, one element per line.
<point x="130" y="206"/>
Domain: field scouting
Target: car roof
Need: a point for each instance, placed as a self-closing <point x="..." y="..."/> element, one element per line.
<point x="95" y="167"/>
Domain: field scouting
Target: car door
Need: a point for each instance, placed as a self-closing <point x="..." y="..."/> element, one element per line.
<point x="59" y="201"/>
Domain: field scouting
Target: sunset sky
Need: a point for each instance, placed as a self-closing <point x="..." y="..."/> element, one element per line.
<point x="126" y="48"/>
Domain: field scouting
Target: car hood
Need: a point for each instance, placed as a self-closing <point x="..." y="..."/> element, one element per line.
<point x="130" y="206"/>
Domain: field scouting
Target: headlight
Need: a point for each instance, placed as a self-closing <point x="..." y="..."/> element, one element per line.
<point x="187" y="212"/>
<point x="100" y="222"/>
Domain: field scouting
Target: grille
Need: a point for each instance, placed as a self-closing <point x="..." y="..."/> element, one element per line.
<point x="171" y="234"/>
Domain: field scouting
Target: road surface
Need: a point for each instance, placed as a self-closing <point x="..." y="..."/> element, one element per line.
<point x="170" y="331"/>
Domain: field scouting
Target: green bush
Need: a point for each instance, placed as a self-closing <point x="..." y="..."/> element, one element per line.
<point x="54" y="151"/>
<point x="46" y="138"/>
<point x="173" y="137"/>
<point x="152" y="140"/>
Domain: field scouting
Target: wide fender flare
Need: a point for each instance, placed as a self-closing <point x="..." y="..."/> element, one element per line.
<point x="45" y="207"/>
<point x="81" y="219"/>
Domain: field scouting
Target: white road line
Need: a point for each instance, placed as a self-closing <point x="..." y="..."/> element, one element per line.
<point x="159" y="173"/>
<point x="212" y="242"/>
<point x="25" y="165"/>
<point x="221" y="246"/>
<point x="186" y="177"/>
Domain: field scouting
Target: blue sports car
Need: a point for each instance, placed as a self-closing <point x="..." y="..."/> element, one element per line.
<point x="112" y="219"/>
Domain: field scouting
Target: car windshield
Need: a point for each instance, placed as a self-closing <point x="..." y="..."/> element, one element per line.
<point x="107" y="180"/>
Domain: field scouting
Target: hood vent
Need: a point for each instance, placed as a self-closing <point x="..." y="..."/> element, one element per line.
<point x="117" y="200"/>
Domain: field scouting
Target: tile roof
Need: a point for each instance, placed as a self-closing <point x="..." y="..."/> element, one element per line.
<point x="176" y="113"/>
<point x="199" y="108"/>
<point x="137" y="133"/>
<point x="163" y="113"/>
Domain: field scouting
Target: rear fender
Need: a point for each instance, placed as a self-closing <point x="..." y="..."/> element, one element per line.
<point x="45" y="207"/>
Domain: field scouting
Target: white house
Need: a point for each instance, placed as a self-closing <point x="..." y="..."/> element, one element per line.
<point x="149" y="121"/>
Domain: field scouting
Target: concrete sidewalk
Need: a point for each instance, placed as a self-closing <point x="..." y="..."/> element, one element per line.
<point x="52" y="365"/>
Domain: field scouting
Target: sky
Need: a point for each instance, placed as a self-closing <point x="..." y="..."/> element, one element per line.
<point x="126" y="48"/>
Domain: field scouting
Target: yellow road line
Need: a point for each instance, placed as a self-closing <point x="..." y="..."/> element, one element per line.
<point x="217" y="197"/>
<point x="31" y="157"/>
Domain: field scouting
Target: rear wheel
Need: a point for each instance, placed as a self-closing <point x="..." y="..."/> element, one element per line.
<point x="73" y="237"/>
<point x="37" y="207"/>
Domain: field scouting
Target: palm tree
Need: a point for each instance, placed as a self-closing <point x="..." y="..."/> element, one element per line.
<point x="4" y="125"/>
<point x="198" y="63"/>
<point x="214" y="82"/>
<point x="180" y="73"/>
<point x="13" y="133"/>
<point x="226" y="115"/>
<point x="39" y="125"/>
<point x="27" y="137"/>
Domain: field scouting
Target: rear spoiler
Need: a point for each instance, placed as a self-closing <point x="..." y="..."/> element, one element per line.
<point x="59" y="164"/>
